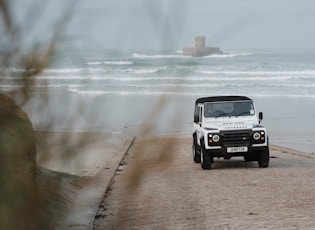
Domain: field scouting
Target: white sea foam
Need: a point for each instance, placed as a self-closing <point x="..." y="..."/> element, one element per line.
<point x="227" y="55"/>
<point x="64" y="70"/>
<point x="179" y="79"/>
<point x="178" y="51"/>
<point x="214" y="85"/>
<point x="183" y="93"/>
<point x="237" y="72"/>
<point x="94" y="63"/>
<point x="200" y="70"/>
<point x="110" y="63"/>
<point x="145" y="71"/>
<point x="179" y="54"/>
<point x="8" y="86"/>
<point x="159" y="56"/>
<point x="118" y="62"/>
<point x="62" y="77"/>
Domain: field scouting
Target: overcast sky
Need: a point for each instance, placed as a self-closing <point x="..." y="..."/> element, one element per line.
<point x="172" y="24"/>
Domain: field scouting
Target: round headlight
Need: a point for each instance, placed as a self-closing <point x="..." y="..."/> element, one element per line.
<point x="256" y="136"/>
<point x="216" y="138"/>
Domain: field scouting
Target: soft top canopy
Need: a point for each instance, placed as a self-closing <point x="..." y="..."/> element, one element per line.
<point x="222" y="98"/>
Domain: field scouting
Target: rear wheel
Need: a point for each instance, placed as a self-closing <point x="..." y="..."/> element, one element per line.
<point x="263" y="160"/>
<point x="205" y="158"/>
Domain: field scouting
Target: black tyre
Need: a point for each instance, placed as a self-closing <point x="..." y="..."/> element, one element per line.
<point x="263" y="160"/>
<point x="247" y="158"/>
<point x="205" y="158"/>
<point x="196" y="153"/>
<point x="250" y="158"/>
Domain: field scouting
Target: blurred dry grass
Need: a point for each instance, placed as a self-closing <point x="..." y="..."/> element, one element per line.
<point x="30" y="196"/>
<point x="163" y="158"/>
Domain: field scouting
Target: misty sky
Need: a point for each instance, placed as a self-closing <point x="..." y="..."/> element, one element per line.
<point x="172" y="24"/>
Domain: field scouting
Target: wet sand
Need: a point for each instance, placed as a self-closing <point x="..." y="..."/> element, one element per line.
<point x="290" y="121"/>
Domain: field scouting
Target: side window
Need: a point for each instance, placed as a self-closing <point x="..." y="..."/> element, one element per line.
<point x="200" y="114"/>
<point x="196" y="114"/>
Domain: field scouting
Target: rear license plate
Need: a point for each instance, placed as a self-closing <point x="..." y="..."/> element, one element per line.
<point x="237" y="149"/>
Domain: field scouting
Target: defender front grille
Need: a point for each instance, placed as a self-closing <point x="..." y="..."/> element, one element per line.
<point x="236" y="138"/>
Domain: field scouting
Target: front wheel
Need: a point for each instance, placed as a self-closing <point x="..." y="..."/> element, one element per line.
<point x="250" y="158"/>
<point x="196" y="154"/>
<point x="205" y="159"/>
<point x="263" y="160"/>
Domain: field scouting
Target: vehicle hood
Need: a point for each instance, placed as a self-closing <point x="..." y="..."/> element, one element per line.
<point x="231" y="124"/>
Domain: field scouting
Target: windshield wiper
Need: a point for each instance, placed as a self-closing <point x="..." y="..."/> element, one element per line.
<point x="222" y="114"/>
<point x="242" y="113"/>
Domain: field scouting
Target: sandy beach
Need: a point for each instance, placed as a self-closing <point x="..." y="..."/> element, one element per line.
<point x="83" y="165"/>
<point x="159" y="187"/>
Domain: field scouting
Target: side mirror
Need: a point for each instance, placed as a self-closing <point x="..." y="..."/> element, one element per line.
<point x="261" y="116"/>
<point x="196" y="118"/>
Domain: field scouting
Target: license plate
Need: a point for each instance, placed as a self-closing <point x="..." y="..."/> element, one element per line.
<point x="237" y="149"/>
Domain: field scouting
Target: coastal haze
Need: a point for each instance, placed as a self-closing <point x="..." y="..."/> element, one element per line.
<point x="119" y="79"/>
<point x="116" y="59"/>
<point x="159" y="25"/>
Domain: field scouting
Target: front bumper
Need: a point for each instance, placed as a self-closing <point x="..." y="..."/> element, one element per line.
<point x="222" y="151"/>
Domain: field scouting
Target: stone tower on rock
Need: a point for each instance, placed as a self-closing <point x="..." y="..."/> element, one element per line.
<point x="200" y="48"/>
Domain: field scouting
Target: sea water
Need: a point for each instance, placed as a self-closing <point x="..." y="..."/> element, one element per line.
<point x="253" y="74"/>
<point x="119" y="92"/>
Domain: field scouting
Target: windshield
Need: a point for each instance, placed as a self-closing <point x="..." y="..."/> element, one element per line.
<point x="227" y="109"/>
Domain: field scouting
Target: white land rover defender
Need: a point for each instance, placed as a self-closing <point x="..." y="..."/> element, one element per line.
<point x="228" y="126"/>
